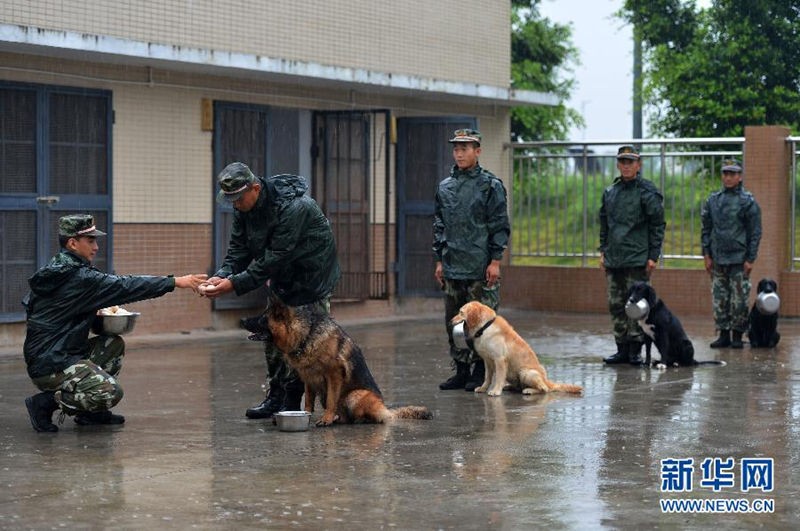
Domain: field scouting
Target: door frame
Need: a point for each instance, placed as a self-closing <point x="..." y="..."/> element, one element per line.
<point x="405" y="207"/>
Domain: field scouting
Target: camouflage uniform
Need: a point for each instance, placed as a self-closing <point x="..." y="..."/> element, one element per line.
<point x="457" y="294"/>
<point x="90" y="384"/>
<point x="619" y="282"/>
<point x="631" y="233"/>
<point x="61" y="307"/>
<point x="731" y="233"/>
<point x="730" y="289"/>
<point x="470" y="229"/>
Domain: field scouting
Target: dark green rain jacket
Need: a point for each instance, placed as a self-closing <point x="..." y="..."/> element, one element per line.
<point x="470" y="226"/>
<point x="731" y="226"/>
<point x="285" y="238"/>
<point x="631" y="223"/>
<point x="62" y="303"/>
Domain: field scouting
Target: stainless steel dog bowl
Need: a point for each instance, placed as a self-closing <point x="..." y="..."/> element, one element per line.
<point x="459" y="336"/>
<point x="637" y="310"/>
<point x="768" y="303"/>
<point x="114" y="325"/>
<point x="293" y="420"/>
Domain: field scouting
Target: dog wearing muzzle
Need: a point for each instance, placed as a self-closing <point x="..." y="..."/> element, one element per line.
<point x="763" y="329"/>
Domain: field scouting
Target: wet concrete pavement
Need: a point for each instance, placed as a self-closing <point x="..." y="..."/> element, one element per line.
<point x="188" y="458"/>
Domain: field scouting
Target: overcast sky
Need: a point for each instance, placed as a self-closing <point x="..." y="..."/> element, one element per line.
<point x="604" y="78"/>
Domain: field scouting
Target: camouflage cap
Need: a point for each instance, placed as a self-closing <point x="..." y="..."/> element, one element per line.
<point x="628" y="152"/>
<point x="466" y="135"/>
<point x="77" y="225"/>
<point x="732" y="165"/>
<point x="233" y="181"/>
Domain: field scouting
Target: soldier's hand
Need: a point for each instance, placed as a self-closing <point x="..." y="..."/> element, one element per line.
<point x="192" y="282"/>
<point x="650" y="267"/>
<point x="493" y="273"/>
<point x="220" y="288"/>
<point x="746" y="268"/>
<point x="438" y="274"/>
<point x="602" y="263"/>
<point x="709" y="263"/>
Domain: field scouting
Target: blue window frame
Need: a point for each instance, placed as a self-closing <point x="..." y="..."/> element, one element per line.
<point x="55" y="159"/>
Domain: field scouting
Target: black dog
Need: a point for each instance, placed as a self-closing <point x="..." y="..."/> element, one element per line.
<point x="661" y="327"/>
<point x="763" y="331"/>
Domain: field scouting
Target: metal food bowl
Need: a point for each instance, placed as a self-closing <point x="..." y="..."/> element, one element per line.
<point x="293" y="420"/>
<point x="459" y="336"/>
<point x="114" y="325"/>
<point x="768" y="303"/>
<point x="637" y="310"/>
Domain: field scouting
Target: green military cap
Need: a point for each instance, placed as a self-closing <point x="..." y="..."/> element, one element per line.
<point x="77" y="225"/>
<point x="233" y="181"/>
<point x="628" y="152"/>
<point x="732" y="165"/>
<point x="466" y="135"/>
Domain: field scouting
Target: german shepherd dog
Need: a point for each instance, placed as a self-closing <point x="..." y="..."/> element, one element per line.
<point x="510" y="361"/>
<point x="763" y="330"/>
<point x="328" y="361"/>
<point x="662" y="327"/>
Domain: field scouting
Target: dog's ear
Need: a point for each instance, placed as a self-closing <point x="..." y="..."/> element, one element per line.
<point x="276" y="308"/>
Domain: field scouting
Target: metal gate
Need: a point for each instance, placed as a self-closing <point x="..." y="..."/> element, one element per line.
<point x="351" y="173"/>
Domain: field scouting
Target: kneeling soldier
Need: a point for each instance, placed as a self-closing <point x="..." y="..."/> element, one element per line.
<point x="74" y="372"/>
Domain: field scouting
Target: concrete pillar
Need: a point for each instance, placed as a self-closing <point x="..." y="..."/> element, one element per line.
<point x="767" y="163"/>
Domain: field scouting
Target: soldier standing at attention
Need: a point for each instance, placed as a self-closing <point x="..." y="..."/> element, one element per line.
<point x="470" y="233"/>
<point x="74" y="372"/>
<point x="281" y="235"/>
<point x="631" y="234"/>
<point x="730" y="237"/>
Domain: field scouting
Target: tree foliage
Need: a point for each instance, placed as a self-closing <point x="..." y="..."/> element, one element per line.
<point x="712" y="71"/>
<point x="542" y="55"/>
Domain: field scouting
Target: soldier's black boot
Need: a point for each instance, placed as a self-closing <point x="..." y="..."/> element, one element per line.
<point x="476" y="378"/>
<point x="724" y="339"/>
<point x="40" y="408"/>
<point x="621" y="356"/>
<point x="293" y="396"/>
<point x="635" y="352"/>
<point x="271" y="404"/>
<point x="736" y="341"/>
<point x="95" y="418"/>
<point x="458" y="380"/>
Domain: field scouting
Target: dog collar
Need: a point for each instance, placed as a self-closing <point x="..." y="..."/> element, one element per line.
<point x="482" y="329"/>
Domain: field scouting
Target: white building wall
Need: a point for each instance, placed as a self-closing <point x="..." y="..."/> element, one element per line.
<point x="459" y="40"/>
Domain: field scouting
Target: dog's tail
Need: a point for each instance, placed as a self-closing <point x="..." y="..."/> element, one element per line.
<point x="711" y="362"/>
<point x="566" y="388"/>
<point x="411" y="412"/>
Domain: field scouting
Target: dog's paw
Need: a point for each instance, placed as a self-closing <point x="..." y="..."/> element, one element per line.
<point x="327" y="420"/>
<point x="528" y="391"/>
<point x="495" y="393"/>
<point x="660" y="366"/>
<point x="481" y="389"/>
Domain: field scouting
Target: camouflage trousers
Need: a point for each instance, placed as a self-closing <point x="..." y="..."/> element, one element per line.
<point x="456" y="294"/>
<point x="89" y="385"/>
<point x="619" y="284"/>
<point x="730" y="290"/>
<point x="279" y="374"/>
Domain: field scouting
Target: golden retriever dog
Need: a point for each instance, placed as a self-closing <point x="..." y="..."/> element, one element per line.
<point x="510" y="361"/>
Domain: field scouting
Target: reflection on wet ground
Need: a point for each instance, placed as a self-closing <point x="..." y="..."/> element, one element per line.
<point x="187" y="457"/>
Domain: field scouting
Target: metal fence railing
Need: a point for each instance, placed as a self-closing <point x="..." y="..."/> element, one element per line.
<point x="794" y="146"/>
<point x="557" y="187"/>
